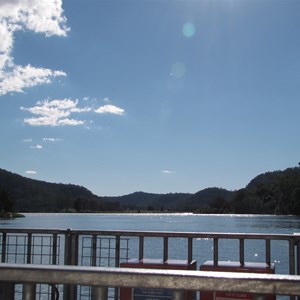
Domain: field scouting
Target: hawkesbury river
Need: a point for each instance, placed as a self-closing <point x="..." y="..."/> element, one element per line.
<point x="181" y="222"/>
<point x="159" y="222"/>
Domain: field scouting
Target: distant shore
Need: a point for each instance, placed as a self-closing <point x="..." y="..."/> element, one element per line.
<point x="10" y="215"/>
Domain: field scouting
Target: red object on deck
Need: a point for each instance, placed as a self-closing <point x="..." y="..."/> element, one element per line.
<point x="232" y="266"/>
<point x="157" y="294"/>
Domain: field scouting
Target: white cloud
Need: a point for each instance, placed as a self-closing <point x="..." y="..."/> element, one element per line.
<point x="24" y="77"/>
<point x="38" y="146"/>
<point x="40" y="16"/>
<point x="110" y="109"/>
<point x="52" y="139"/>
<point x="30" y="172"/>
<point x="58" y="112"/>
<point x="168" y="172"/>
<point x="55" y="113"/>
<point x="28" y="140"/>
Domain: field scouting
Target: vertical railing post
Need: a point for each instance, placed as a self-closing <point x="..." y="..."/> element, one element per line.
<point x="7" y="289"/>
<point x="216" y="251"/>
<point x="99" y="293"/>
<point x="94" y="251"/>
<point x="29" y="291"/>
<point x="166" y="249"/>
<point x="29" y="247"/>
<point x="3" y="254"/>
<point x="141" y="248"/>
<point x="71" y="258"/>
<point x="54" y="261"/>
<point x="190" y="249"/>
<point x="242" y="252"/>
<point x="117" y="261"/>
<point x="292" y="260"/>
<point x="268" y="252"/>
<point x="292" y="256"/>
<point x="178" y="295"/>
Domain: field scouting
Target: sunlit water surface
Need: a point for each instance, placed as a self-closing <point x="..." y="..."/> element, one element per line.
<point x="185" y="222"/>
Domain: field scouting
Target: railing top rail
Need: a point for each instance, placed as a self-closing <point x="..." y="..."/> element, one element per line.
<point x="168" y="279"/>
<point x="170" y="234"/>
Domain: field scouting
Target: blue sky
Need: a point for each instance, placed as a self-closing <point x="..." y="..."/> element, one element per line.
<point x="156" y="96"/>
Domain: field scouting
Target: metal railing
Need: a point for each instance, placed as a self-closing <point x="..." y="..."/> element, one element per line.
<point x="177" y="281"/>
<point x="85" y="247"/>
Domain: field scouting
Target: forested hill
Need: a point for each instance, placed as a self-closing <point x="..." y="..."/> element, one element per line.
<point x="275" y="192"/>
<point x="39" y="196"/>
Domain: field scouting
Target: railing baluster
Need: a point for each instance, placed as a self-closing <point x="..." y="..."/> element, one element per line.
<point x="141" y="247"/>
<point x="54" y="249"/>
<point x="216" y="251"/>
<point x="71" y="258"/>
<point x="117" y="251"/>
<point x="190" y="249"/>
<point x="268" y="252"/>
<point x="292" y="256"/>
<point x="29" y="291"/>
<point x="94" y="250"/>
<point x="3" y="255"/>
<point x="29" y="248"/>
<point x="298" y="257"/>
<point x="54" y="261"/>
<point x="99" y="293"/>
<point x="166" y="249"/>
<point x="117" y="260"/>
<point x="242" y="252"/>
<point x="178" y="295"/>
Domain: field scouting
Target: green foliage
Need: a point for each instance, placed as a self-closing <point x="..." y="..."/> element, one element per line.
<point x="6" y="202"/>
<point x="270" y="193"/>
<point x="39" y="196"/>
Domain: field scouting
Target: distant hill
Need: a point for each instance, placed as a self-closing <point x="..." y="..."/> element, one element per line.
<point x="275" y="192"/>
<point x="150" y="201"/>
<point x="172" y="201"/>
<point x="39" y="196"/>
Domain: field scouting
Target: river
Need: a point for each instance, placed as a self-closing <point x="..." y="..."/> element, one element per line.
<point x="161" y="222"/>
<point x="185" y="222"/>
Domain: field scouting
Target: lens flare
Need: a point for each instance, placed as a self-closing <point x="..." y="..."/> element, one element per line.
<point x="178" y="69"/>
<point x="188" y="29"/>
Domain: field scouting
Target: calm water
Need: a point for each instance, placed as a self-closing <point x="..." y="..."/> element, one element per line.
<point x="161" y="222"/>
<point x="202" y="248"/>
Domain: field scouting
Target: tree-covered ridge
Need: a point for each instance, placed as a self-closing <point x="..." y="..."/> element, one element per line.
<point x="270" y="193"/>
<point x="273" y="192"/>
<point x="40" y="196"/>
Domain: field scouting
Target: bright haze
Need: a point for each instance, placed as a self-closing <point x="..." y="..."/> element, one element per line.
<point x="156" y="96"/>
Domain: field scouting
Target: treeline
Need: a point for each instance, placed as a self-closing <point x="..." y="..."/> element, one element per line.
<point x="28" y="195"/>
<point x="270" y="193"/>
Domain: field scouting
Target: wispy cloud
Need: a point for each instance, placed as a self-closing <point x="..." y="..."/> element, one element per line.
<point x="168" y="172"/>
<point x="28" y="140"/>
<point x="40" y="16"/>
<point x="30" y="172"/>
<point x="38" y="146"/>
<point x="110" y="109"/>
<point x="52" y="140"/>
